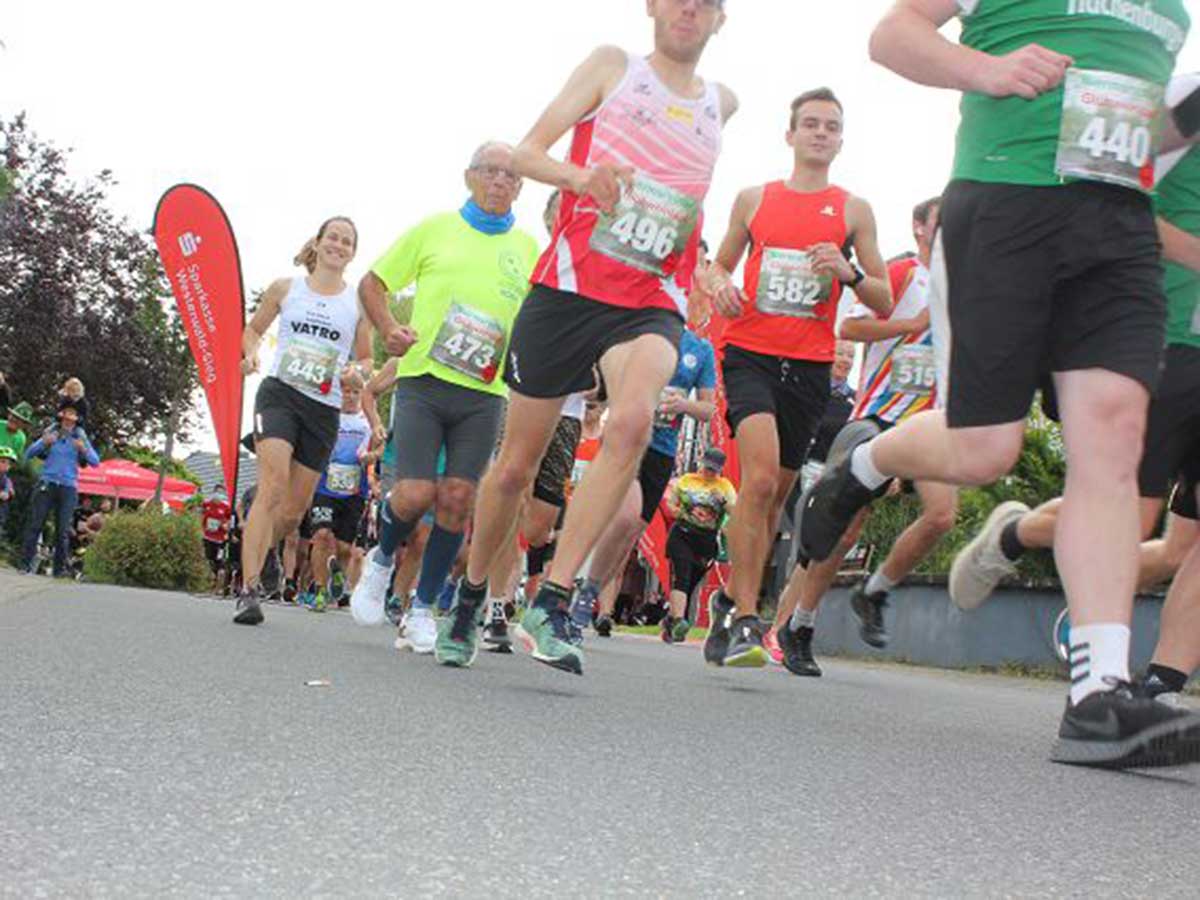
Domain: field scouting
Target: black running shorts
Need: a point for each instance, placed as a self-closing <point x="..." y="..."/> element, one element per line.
<point x="559" y="336"/>
<point x="341" y="515"/>
<point x="1044" y="279"/>
<point x="550" y="486"/>
<point x="310" y="427"/>
<point x="1173" y="424"/>
<point x="654" y="475"/>
<point x="794" y="391"/>
<point x="691" y="554"/>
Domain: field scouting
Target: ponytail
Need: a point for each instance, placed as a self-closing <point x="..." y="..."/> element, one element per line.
<point x="307" y="256"/>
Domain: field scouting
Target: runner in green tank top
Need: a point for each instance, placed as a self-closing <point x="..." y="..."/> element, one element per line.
<point x="1046" y="266"/>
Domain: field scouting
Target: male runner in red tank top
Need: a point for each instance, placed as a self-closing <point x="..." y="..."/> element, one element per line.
<point x="611" y="289"/>
<point x="779" y="344"/>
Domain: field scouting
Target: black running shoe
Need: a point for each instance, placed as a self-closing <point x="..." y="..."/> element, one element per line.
<point x="720" y="612"/>
<point x="746" y="650"/>
<point x="797" y="651"/>
<point x="1115" y="730"/>
<point x="271" y="575"/>
<point x="829" y="506"/>
<point x="495" y="632"/>
<point x="869" y="609"/>
<point x="604" y="626"/>
<point x="1154" y="688"/>
<point x="249" y="607"/>
<point x="666" y="630"/>
<point x="290" y="591"/>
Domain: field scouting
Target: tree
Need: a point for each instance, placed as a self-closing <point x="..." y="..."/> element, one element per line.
<point x="84" y="294"/>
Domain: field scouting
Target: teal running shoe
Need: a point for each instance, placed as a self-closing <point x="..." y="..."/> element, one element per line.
<point x="544" y="636"/>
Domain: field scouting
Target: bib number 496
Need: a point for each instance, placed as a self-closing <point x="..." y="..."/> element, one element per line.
<point x="645" y="234"/>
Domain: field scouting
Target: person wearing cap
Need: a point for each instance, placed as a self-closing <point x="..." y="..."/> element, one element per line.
<point x="695" y="374"/>
<point x="64" y="447"/>
<point x="7" y="459"/>
<point x="12" y="429"/>
<point x="700" y="502"/>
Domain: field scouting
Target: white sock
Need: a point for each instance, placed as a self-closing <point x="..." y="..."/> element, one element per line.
<point x="879" y="582"/>
<point x="863" y="468"/>
<point x="802" y="618"/>
<point x="1098" y="652"/>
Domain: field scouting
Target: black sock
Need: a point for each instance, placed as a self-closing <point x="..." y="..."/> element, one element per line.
<point x="552" y="596"/>
<point x="472" y="593"/>
<point x="535" y="560"/>
<point x="1010" y="544"/>
<point x="1172" y="678"/>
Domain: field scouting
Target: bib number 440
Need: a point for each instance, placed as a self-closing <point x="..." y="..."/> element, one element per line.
<point x="1125" y="143"/>
<point x="645" y="234"/>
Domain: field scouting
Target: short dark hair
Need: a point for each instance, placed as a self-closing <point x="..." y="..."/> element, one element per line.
<point x="821" y="93"/>
<point x="924" y="209"/>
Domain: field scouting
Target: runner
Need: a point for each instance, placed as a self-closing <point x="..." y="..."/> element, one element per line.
<point x="611" y="289"/>
<point x="1050" y="244"/>
<point x="700" y="502"/>
<point x="695" y="374"/>
<point x="897" y="381"/>
<point x="216" y="516"/>
<point x="341" y="498"/>
<point x="780" y="344"/>
<point x="296" y="410"/>
<point x="471" y="268"/>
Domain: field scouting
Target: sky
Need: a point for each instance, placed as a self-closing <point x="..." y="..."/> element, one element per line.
<point x="292" y="112"/>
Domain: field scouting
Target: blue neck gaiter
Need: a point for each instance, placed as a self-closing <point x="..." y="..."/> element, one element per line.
<point x="488" y="223"/>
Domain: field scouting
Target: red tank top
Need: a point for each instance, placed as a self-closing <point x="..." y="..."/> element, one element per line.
<point x="789" y="311"/>
<point x="644" y="253"/>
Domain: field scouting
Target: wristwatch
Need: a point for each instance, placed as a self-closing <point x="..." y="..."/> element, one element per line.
<point x="859" y="275"/>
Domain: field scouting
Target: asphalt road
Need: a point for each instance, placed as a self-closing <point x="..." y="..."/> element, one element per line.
<point x="148" y="747"/>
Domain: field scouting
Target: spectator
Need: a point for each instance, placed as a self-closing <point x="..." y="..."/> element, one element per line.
<point x="5" y="395"/>
<point x="63" y="447"/>
<point x="12" y="429"/>
<point x="72" y="394"/>
<point x="7" y="458"/>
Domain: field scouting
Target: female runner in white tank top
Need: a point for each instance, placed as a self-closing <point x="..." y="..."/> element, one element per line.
<point x="321" y="334"/>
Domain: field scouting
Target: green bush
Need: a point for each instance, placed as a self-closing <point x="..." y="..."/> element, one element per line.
<point x="149" y="549"/>
<point x="1037" y="477"/>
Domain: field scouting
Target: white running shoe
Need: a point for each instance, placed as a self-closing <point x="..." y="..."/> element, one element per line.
<point x="419" y="631"/>
<point x="367" y="601"/>
<point x="981" y="565"/>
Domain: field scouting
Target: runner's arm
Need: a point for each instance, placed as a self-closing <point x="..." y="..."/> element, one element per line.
<point x="372" y="293"/>
<point x="587" y="87"/>
<point x="1178" y="245"/>
<point x="867" y="329"/>
<point x="719" y="275"/>
<point x="729" y="102"/>
<point x="703" y="407"/>
<point x="875" y="290"/>
<point x="267" y="312"/>
<point x="908" y="42"/>
<point x="383" y="381"/>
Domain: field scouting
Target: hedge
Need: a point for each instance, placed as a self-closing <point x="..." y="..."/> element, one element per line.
<point x="148" y="549"/>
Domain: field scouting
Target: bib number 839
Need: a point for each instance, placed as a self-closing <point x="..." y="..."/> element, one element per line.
<point x="645" y="234"/>
<point x="1126" y="143"/>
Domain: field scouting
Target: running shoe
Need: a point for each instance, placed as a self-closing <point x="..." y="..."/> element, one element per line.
<point x="495" y="632"/>
<point x="666" y="630"/>
<point x="1153" y="688"/>
<point x="290" y="591"/>
<point x="393" y="608"/>
<point x="745" y="649"/>
<point x="457" y="642"/>
<point x="828" y="507"/>
<point x="869" y="609"/>
<point x="771" y="645"/>
<point x="582" y="608"/>
<point x="604" y="626"/>
<point x="271" y="575"/>
<point x="679" y="631"/>
<point x="249" y="607"/>
<point x="981" y="565"/>
<point x="543" y="635"/>
<point x="319" y="601"/>
<point x="1116" y="730"/>
<point x="720" y="612"/>
<point x="420" y="630"/>
<point x="367" y="601"/>
<point x="797" y="651"/>
<point x="335" y="586"/>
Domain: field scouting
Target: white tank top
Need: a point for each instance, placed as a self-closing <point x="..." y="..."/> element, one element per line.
<point x="316" y="340"/>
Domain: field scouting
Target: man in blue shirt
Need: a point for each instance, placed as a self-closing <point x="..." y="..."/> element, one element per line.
<point x="63" y="447"/>
<point x="696" y="371"/>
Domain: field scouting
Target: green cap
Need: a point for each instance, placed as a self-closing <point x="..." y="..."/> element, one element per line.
<point x="8" y="453"/>
<point x="22" y="411"/>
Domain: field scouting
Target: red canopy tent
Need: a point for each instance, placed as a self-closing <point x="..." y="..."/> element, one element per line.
<point x="124" y="480"/>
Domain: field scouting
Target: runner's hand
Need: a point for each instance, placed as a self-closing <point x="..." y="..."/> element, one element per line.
<point x="673" y="405"/>
<point x="603" y="183"/>
<point x="919" y="322"/>
<point x="249" y="364"/>
<point x="400" y="339"/>
<point x="379" y="435"/>
<point x="828" y="259"/>
<point x="1025" y="73"/>
<point x="726" y="296"/>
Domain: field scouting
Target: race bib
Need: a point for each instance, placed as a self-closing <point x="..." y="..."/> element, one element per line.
<point x="470" y="342"/>
<point x="663" y="419"/>
<point x="212" y="526"/>
<point x="1110" y="128"/>
<point x="787" y="285"/>
<point x="342" y="478"/>
<point x="309" y="366"/>
<point x="649" y="228"/>
<point x="914" y="370"/>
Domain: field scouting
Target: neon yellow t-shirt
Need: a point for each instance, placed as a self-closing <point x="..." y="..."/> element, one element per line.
<point x="469" y="288"/>
<point x="704" y="502"/>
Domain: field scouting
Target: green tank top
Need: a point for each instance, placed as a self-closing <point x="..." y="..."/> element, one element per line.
<point x="1102" y="123"/>
<point x="1179" y="204"/>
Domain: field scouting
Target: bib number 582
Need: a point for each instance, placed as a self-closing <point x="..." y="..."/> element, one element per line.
<point x="796" y="291"/>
